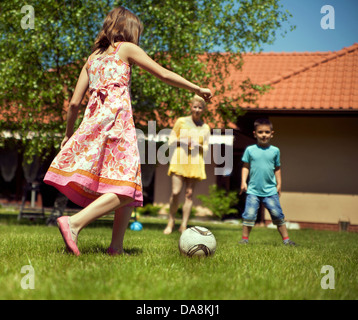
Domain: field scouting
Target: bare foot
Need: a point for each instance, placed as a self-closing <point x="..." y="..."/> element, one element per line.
<point x="169" y="227"/>
<point x="182" y="229"/>
<point x="116" y="252"/>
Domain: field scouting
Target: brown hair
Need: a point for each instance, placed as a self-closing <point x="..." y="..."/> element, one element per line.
<point x="262" y="121"/>
<point x="119" y="25"/>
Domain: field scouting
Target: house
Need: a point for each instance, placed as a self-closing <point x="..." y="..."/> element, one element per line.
<point x="313" y="105"/>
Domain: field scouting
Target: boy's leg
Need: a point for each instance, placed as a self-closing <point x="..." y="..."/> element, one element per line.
<point x="273" y="205"/>
<point x="284" y="234"/>
<point x="245" y="234"/>
<point x="283" y="231"/>
<point x="246" y="231"/>
<point x="249" y="216"/>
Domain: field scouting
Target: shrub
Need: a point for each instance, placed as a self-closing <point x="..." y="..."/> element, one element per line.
<point x="219" y="201"/>
<point x="149" y="210"/>
<point x="179" y="213"/>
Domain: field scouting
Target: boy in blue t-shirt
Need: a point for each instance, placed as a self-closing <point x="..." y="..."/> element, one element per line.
<point x="262" y="166"/>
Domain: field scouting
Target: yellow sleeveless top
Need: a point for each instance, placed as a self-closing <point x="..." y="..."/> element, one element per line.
<point x="188" y="161"/>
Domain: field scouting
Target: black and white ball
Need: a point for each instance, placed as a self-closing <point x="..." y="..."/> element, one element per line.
<point x="197" y="242"/>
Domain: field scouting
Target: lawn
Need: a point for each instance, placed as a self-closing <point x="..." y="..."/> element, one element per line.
<point x="154" y="270"/>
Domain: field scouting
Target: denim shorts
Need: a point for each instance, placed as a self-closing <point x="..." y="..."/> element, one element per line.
<point x="271" y="203"/>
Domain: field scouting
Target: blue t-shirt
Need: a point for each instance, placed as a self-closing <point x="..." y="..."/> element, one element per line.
<point x="263" y="161"/>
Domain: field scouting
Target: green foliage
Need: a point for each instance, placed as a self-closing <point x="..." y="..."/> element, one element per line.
<point x="179" y="213"/>
<point x="192" y="38"/>
<point x="219" y="201"/>
<point x="149" y="210"/>
<point x="39" y="67"/>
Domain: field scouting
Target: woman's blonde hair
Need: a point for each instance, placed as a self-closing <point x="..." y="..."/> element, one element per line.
<point x="119" y="25"/>
<point x="199" y="99"/>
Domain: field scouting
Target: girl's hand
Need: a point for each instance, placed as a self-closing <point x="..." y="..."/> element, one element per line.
<point x="205" y="93"/>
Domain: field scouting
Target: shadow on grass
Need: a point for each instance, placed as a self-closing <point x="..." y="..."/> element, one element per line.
<point x="11" y="219"/>
<point x="103" y="251"/>
<point x="107" y="222"/>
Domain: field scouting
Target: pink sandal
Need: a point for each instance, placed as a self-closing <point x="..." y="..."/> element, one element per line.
<point x="65" y="229"/>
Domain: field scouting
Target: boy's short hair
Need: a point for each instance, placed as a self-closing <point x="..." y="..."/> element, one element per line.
<point x="263" y="121"/>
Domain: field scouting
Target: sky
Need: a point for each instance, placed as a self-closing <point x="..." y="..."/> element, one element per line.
<point x="309" y="35"/>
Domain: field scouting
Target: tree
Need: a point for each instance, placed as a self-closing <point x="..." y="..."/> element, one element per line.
<point x="190" y="37"/>
<point x="39" y="66"/>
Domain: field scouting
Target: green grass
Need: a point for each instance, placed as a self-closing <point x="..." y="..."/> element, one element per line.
<point x="264" y="269"/>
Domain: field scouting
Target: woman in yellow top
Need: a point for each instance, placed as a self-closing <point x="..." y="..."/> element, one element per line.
<point x="190" y="138"/>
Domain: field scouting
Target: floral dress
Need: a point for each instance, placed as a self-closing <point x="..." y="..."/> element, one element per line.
<point x="102" y="155"/>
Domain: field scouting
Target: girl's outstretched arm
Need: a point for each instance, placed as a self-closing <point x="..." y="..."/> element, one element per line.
<point x="135" y="55"/>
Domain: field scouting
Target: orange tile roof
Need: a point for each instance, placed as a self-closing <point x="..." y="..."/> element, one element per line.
<point x="308" y="81"/>
<point x="300" y="82"/>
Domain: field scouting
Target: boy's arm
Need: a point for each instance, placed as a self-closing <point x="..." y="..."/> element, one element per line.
<point x="278" y="179"/>
<point x="244" y="174"/>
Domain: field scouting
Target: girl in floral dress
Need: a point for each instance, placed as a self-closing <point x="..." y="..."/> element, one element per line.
<point x="98" y="166"/>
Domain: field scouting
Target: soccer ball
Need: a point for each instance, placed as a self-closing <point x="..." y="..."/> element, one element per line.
<point x="197" y="242"/>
